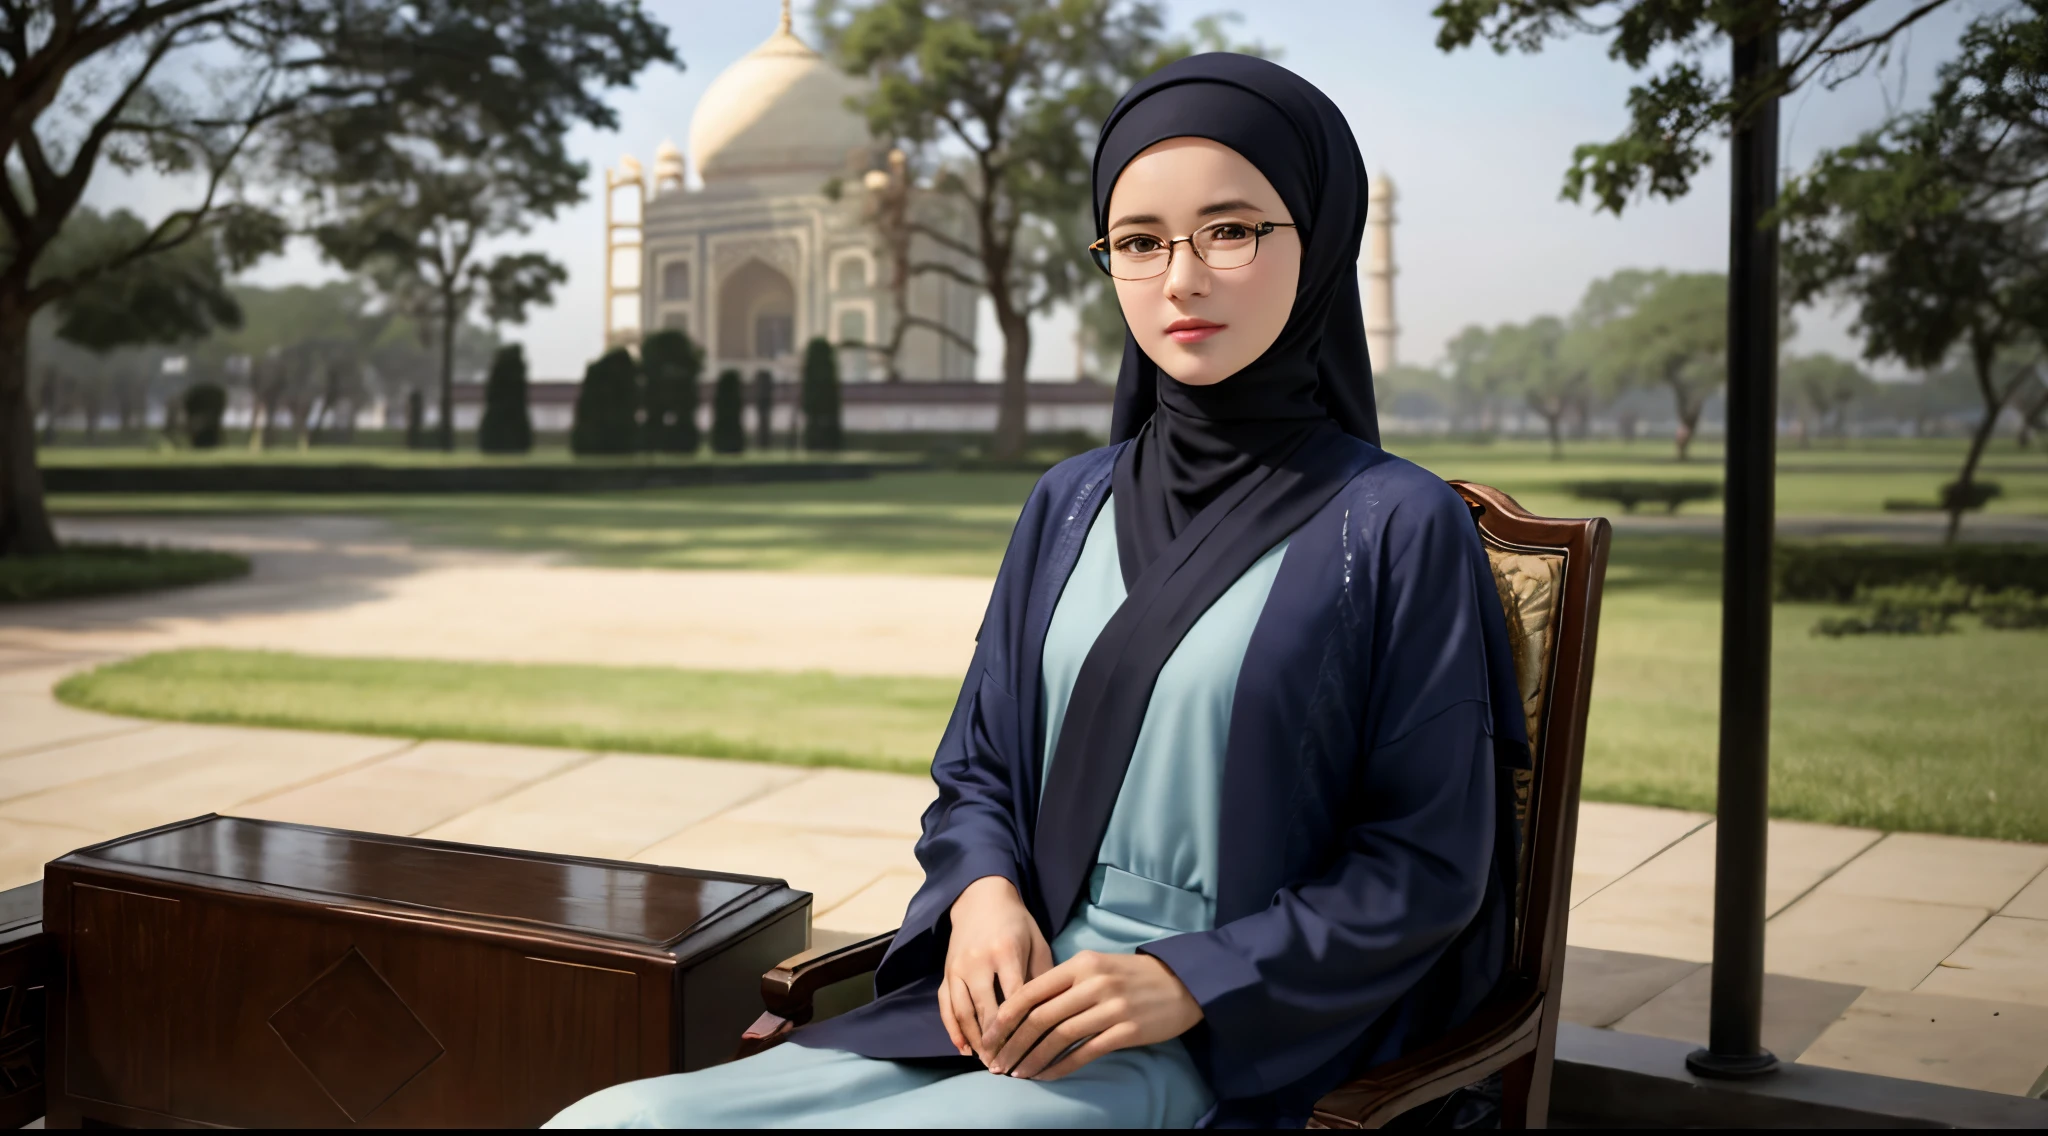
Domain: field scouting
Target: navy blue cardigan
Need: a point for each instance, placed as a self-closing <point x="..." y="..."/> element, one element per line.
<point x="1362" y="901"/>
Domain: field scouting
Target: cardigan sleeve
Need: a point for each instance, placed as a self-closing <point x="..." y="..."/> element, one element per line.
<point x="973" y="828"/>
<point x="1286" y="989"/>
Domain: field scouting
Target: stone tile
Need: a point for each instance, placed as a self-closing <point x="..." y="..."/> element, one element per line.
<point x="2005" y="961"/>
<point x="831" y="866"/>
<point x="211" y="778"/>
<point x="416" y="790"/>
<point x="32" y="720"/>
<point x="873" y="909"/>
<point x="1602" y="987"/>
<point x="1888" y="943"/>
<point x="2031" y="902"/>
<point x="846" y="800"/>
<point x="1666" y="906"/>
<point x="1941" y="869"/>
<point x="614" y="806"/>
<point x="1796" y="1011"/>
<point x="1614" y="839"/>
<point x="1994" y="1047"/>
<point x="137" y="748"/>
<point x="26" y="846"/>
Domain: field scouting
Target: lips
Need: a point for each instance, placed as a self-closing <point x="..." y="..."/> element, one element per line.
<point x="1192" y="330"/>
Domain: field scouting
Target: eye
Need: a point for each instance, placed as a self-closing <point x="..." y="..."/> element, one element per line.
<point x="1138" y="244"/>
<point x="1227" y="231"/>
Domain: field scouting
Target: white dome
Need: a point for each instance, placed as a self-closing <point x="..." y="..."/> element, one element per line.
<point x="780" y="109"/>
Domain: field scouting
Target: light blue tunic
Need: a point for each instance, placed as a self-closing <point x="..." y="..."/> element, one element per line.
<point x="1155" y="876"/>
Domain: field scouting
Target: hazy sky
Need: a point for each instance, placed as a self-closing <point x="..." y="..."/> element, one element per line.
<point x="1476" y="144"/>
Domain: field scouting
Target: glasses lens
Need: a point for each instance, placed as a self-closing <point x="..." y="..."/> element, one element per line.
<point x="1227" y="244"/>
<point x="1138" y="256"/>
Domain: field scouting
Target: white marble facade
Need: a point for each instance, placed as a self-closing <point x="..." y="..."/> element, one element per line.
<point x="762" y="256"/>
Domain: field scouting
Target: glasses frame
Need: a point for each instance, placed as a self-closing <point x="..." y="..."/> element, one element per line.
<point x="1099" y="252"/>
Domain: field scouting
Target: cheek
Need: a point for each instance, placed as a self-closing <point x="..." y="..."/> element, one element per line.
<point x="1266" y="300"/>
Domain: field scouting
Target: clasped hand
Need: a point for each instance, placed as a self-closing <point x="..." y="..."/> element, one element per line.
<point x="1047" y="1021"/>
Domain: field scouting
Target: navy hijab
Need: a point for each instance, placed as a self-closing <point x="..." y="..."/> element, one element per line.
<point x="1214" y="477"/>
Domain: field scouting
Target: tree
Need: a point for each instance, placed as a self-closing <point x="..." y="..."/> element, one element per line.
<point x="415" y="228"/>
<point x="1817" y="390"/>
<point x="607" y="406"/>
<point x="1015" y="89"/>
<point x="728" y="415"/>
<point x="204" y="404"/>
<point x="1537" y="360"/>
<point x="1475" y="381"/>
<point x="821" y="398"/>
<point x="301" y="352"/>
<point x="507" y="426"/>
<point x="199" y="90"/>
<point x="1935" y="228"/>
<point x="670" y="363"/>
<point x="1674" y="115"/>
<point x="1676" y="335"/>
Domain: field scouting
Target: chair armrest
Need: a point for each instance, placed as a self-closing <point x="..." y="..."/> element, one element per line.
<point x="789" y="989"/>
<point x="1500" y="1031"/>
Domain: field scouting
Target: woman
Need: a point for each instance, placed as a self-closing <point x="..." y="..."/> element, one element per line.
<point x="1218" y="816"/>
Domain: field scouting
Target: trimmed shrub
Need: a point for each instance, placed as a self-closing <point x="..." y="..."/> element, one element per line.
<point x="1826" y="572"/>
<point x="728" y="411"/>
<point x="507" y="427"/>
<point x="671" y="363"/>
<point x="415" y="421"/>
<point x="2013" y="609"/>
<point x="821" y="398"/>
<point x="1952" y="499"/>
<point x="607" y="406"/>
<point x="1906" y="609"/>
<point x="764" y="410"/>
<point x="1630" y="492"/>
<point x="205" y="404"/>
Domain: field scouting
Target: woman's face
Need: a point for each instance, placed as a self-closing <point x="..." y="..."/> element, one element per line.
<point x="1202" y="324"/>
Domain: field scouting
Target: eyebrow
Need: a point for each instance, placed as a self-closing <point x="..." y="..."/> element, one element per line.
<point x="1234" y="205"/>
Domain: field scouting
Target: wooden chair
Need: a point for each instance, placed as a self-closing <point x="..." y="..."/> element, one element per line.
<point x="1550" y="573"/>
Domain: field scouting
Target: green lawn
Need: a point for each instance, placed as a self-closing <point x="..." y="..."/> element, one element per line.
<point x="800" y="719"/>
<point x="959" y="521"/>
<point x="102" y="569"/>
<point x="1937" y="734"/>
<point x="1943" y="734"/>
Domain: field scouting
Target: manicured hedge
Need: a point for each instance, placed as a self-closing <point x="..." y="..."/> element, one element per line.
<point x="1630" y="492"/>
<point x="1814" y="572"/>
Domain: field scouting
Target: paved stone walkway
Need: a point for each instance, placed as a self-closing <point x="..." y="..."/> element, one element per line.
<point x="1906" y="955"/>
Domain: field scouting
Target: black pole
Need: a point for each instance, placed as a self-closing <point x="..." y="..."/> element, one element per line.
<point x="1735" y="1023"/>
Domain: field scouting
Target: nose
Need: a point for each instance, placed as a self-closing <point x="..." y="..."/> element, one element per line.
<point x="1186" y="275"/>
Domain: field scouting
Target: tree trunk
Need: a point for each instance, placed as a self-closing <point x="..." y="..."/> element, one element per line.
<point x="448" y="317"/>
<point x="24" y="521"/>
<point x="1688" y="419"/>
<point x="1994" y="405"/>
<point x="1012" y="425"/>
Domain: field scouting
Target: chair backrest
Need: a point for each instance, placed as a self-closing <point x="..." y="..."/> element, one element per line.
<point x="1549" y="572"/>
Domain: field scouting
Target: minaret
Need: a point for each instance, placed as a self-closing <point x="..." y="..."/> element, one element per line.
<point x="1381" y="332"/>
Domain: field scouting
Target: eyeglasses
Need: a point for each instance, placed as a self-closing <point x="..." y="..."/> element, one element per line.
<point x="1222" y="245"/>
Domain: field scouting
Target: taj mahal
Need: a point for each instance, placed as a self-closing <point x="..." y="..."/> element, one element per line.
<point x="800" y="224"/>
<point x="789" y="233"/>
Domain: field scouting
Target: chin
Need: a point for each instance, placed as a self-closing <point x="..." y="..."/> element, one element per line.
<point x="1194" y="370"/>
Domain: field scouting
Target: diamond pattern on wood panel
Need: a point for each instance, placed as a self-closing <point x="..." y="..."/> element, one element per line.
<point x="357" y="1037"/>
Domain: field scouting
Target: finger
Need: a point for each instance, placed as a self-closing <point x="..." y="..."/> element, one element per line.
<point x="946" y="1016"/>
<point x="982" y="989"/>
<point x="963" y="1012"/>
<point x="1078" y="1028"/>
<point x="1026" y="1001"/>
<point x="1009" y="983"/>
<point x="1119" y="1036"/>
<point x="1037" y="1024"/>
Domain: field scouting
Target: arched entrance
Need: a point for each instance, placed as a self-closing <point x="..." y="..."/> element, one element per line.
<point x="756" y="314"/>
